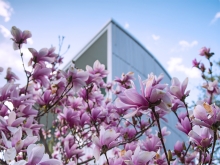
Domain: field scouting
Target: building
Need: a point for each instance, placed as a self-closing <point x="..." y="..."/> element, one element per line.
<point x="121" y="53"/>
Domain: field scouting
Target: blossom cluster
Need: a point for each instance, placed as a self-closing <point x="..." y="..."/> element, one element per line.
<point x="112" y="120"/>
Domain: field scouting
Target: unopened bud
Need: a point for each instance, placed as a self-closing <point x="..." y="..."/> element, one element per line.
<point x="169" y="155"/>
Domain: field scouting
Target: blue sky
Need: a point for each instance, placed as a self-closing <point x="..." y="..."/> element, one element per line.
<point x="173" y="31"/>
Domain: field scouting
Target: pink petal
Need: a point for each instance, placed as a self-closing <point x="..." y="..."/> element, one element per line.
<point x="36" y="154"/>
<point x="96" y="153"/>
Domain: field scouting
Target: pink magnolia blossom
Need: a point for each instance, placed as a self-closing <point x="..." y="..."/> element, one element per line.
<point x="71" y="116"/>
<point x="11" y="121"/>
<point x="71" y="148"/>
<point x="19" y="37"/>
<point x="125" y="80"/>
<point x="106" y="140"/>
<point x="201" y="136"/>
<point x="179" y="147"/>
<point x="77" y="77"/>
<point x="151" y="144"/>
<point x="97" y="73"/>
<point x="204" y="51"/>
<point x="178" y="89"/>
<point x="40" y="75"/>
<point x="202" y="67"/>
<point x="206" y="115"/>
<point x="140" y="157"/>
<point x="184" y="125"/>
<point x="46" y="98"/>
<point x="151" y="94"/>
<point x="44" y="55"/>
<point x="16" y="140"/>
<point x="212" y="87"/>
<point x="36" y="156"/>
<point x="195" y="63"/>
<point x="11" y="76"/>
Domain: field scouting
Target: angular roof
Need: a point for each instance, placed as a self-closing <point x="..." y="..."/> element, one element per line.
<point x="100" y="33"/>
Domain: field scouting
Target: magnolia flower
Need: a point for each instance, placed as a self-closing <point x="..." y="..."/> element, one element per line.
<point x="206" y="115"/>
<point x="195" y="63"/>
<point x="71" y="116"/>
<point x="204" y="51"/>
<point x="152" y="93"/>
<point x="16" y="140"/>
<point x="10" y="154"/>
<point x="212" y="87"/>
<point x="177" y="89"/>
<point x="40" y="74"/>
<point x="200" y="136"/>
<point x="11" y="121"/>
<point x="71" y="148"/>
<point x="140" y="157"/>
<point x="202" y="67"/>
<point x="11" y="76"/>
<point x="151" y="144"/>
<point x="105" y="141"/>
<point x="36" y="156"/>
<point x="44" y="55"/>
<point x="97" y="73"/>
<point x="77" y="77"/>
<point x="125" y="80"/>
<point x="184" y="125"/>
<point x="178" y="147"/>
<point x="19" y="37"/>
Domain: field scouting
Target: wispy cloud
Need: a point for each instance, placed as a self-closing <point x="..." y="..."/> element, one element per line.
<point x="175" y="64"/>
<point x="5" y="32"/>
<point x="155" y="37"/>
<point x="184" y="45"/>
<point x="217" y="16"/>
<point x="127" y="25"/>
<point x="5" y="10"/>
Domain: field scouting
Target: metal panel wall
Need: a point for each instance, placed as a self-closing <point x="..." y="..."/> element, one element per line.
<point x="130" y="55"/>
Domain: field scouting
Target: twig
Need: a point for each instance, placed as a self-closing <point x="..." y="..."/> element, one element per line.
<point x="160" y="134"/>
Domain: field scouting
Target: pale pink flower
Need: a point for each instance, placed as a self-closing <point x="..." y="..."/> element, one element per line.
<point x="44" y="55"/>
<point x="36" y="156"/>
<point x="195" y="63"/>
<point x="201" y="136"/>
<point x="11" y="76"/>
<point x="140" y="157"/>
<point x="212" y="87"/>
<point x="19" y="37"/>
<point x="206" y="115"/>
<point x="178" y="89"/>
<point x="105" y="141"/>
<point x="204" y="51"/>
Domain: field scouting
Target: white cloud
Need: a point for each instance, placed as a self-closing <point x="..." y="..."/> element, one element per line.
<point x="217" y="16"/>
<point x="5" y="10"/>
<point x="175" y="65"/>
<point x="5" y="32"/>
<point x="184" y="45"/>
<point x="126" y="25"/>
<point x="155" y="37"/>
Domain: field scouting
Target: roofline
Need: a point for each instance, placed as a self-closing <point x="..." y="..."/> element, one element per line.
<point x="139" y="43"/>
<point x="100" y="32"/>
<point x="94" y="39"/>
